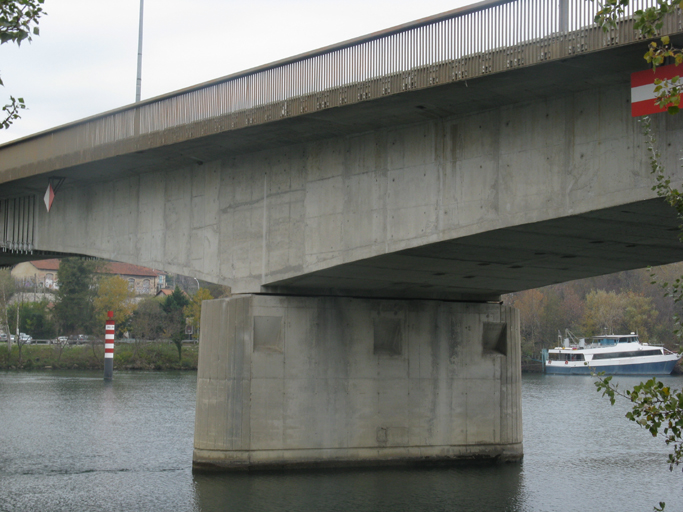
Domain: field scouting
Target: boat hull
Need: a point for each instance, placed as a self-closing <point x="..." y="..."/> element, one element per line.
<point x="643" y="368"/>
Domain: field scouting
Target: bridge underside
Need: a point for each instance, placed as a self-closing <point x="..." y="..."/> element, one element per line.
<point x="487" y="265"/>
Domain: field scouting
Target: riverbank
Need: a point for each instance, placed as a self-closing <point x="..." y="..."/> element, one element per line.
<point x="127" y="356"/>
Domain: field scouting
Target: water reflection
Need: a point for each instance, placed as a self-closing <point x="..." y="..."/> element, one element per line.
<point x="486" y="487"/>
<point x="69" y="442"/>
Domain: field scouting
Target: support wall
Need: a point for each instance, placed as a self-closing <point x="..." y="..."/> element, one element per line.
<point x="287" y="381"/>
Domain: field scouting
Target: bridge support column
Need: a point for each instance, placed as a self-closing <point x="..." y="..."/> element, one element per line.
<point x="305" y="381"/>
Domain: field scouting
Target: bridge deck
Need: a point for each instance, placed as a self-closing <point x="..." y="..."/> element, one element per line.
<point x="446" y="64"/>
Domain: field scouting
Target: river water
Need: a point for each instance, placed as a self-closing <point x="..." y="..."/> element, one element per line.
<point x="69" y="442"/>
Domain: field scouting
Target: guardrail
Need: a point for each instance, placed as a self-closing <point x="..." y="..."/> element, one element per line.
<point x="484" y="38"/>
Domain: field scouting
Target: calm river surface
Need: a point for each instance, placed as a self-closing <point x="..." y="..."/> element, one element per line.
<point x="68" y="442"/>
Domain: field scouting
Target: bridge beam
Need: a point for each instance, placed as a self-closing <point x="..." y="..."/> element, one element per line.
<point x="318" y="381"/>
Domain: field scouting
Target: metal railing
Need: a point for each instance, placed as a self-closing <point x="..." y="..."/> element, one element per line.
<point x="18" y="224"/>
<point x="488" y="37"/>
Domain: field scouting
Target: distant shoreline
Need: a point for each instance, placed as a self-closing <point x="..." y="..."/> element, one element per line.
<point x="156" y="355"/>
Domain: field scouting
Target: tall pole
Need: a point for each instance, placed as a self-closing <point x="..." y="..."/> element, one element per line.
<point x="138" y="87"/>
<point x="109" y="347"/>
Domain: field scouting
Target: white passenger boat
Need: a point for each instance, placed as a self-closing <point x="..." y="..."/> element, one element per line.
<point x="612" y="354"/>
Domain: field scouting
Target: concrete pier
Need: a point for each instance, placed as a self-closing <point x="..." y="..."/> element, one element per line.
<point x="318" y="381"/>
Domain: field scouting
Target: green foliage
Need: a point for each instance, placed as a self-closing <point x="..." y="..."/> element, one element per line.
<point x="177" y="300"/>
<point x="6" y="292"/>
<point x="174" y="327"/>
<point x="18" y="22"/>
<point x="74" y="309"/>
<point x="664" y="189"/>
<point x="193" y="311"/>
<point x="113" y="295"/>
<point x="217" y="291"/>
<point x="11" y="111"/>
<point x="668" y="91"/>
<point x="148" y="320"/>
<point x="624" y="302"/>
<point x="149" y="356"/>
<point x="618" y="312"/>
<point x="656" y="407"/>
<point x="34" y="318"/>
<point x="649" y="22"/>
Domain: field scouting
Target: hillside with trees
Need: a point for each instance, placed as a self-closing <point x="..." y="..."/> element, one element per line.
<point x="615" y="304"/>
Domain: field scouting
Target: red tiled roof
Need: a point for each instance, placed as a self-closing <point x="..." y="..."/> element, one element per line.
<point x="52" y="264"/>
<point x="126" y="269"/>
<point x="165" y="291"/>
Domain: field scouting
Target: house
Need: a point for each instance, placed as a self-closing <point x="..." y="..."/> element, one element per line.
<point x="165" y="292"/>
<point x="42" y="274"/>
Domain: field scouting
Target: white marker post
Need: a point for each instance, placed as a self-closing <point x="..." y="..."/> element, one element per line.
<point x="109" y="347"/>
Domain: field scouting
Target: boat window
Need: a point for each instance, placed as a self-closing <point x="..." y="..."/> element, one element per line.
<point x="629" y="339"/>
<point x="566" y="356"/>
<point x="608" y="342"/>
<point x="633" y="353"/>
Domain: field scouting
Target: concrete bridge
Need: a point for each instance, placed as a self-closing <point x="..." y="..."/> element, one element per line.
<point x="368" y="203"/>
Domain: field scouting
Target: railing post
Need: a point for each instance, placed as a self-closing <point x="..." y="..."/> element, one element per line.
<point x="564" y="16"/>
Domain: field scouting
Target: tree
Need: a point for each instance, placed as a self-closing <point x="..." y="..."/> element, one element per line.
<point x="74" y="310"/>
<point x="35" y="318"/>
<point x="605" y="310"/>
<point x="193" y="311"/>
<point x="6" y="292"/>
<point x="174" y="326"/>
<point x="639" y="315"/>
<point x="531" y="304"/>
<point x="18" y="22"/>
<point x="657" y="408"/>
<point x="114" y="295"/>
<point x="148" y="320"/>
<point x="649" y="21"/>
<point x="654" y="404"/>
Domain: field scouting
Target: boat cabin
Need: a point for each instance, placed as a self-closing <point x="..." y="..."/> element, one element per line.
<point x="612" y="340"/>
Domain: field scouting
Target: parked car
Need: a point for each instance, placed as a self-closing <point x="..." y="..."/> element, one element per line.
<point x="25" y="338"/>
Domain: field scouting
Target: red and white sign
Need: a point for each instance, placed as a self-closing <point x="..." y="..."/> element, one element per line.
<point x="643" y="89"/>
<point x="109" y="331"/>
<point x="49" y="197"/>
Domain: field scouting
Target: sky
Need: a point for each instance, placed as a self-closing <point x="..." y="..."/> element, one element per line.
<point x="85" y="60"/>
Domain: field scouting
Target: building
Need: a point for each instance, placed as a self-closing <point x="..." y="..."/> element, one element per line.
<point x="42" y="275"/>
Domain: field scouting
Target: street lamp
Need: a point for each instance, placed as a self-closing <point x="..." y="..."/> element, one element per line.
<point x="138" y="82"/>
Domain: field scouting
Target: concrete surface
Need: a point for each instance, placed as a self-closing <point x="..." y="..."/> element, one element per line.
<point x="409" y="211"/>
<point x="305" y="381"/>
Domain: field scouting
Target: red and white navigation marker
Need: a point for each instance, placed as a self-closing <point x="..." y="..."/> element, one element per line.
<point x="109" y="347"/>
<point x="49" y="197"/>
<point x="643" y="89"/>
